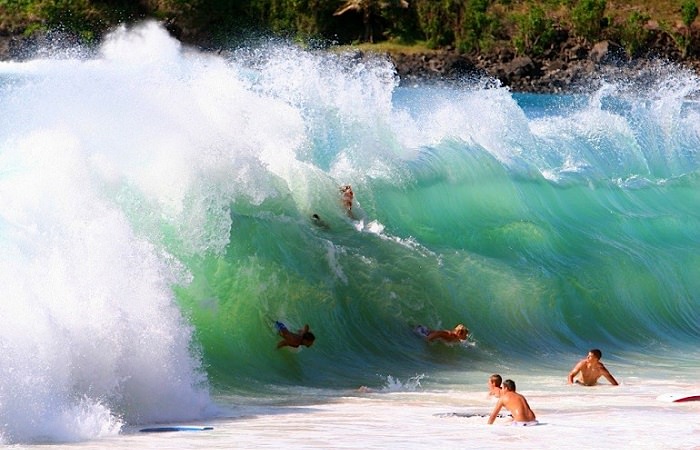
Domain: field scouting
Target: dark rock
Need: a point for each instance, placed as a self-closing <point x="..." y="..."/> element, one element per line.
<point x="505" y="55"/>
<point x="606" y="52"/>
<point x="577" y="52"/>
<point x="520" y="66"/>
<point x="568" y="64"/>
<point x="556" y="65"/>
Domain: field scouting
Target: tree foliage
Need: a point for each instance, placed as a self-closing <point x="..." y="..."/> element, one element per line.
<point x="467" y="25"/>
<point x="370" y="9"/>
<point x="587" y="18"/>
<point x="535" y="32"/>
<point x="689" y="12"/>
<point x="435" y="18"/>
<point x="477" y="25"/>
<point x="634" y="36"/>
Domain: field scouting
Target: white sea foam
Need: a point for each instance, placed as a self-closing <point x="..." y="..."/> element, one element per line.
<point x="90" y="332"/>
<point x="113" y="169"/>
<point x="615" y="417"/>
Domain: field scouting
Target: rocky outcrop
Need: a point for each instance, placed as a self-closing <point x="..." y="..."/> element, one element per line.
<point x="571" y="66"/>
<point x="442" y="64"/>
<point x="568" y="66"/>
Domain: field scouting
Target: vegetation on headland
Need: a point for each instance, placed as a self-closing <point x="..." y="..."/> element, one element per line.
<point x="528" y="27"/>
<point x="538" y="45"/>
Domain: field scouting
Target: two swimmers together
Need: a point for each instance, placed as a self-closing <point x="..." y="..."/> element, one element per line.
<point x="586" y="372"/>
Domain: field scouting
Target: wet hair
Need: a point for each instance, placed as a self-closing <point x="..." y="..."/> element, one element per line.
<point x="496" y="379"/>
<point x="597" y="353"/>
<point x="308" y="336"/>
<point x="509" y="384"/>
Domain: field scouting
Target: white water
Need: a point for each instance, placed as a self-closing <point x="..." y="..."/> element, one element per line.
<point x="601" y="417"/>
<point x="90" y="333"/>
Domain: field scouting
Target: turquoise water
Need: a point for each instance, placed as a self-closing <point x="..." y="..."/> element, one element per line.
<point x="547" y="232"/>
<point x="155" y="219"/>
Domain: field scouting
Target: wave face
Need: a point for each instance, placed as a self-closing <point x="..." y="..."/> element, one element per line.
<point x="155" y="209"/>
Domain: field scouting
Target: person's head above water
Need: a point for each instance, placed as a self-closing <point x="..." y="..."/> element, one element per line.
<point x="308" y="339"/>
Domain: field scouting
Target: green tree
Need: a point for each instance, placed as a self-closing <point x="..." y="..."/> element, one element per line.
<point x="689" y="12"/>
<point x="314" y="17"/>
<point x="587" y="18"/>
<point x="634" y="35"/>
<point x="436" y="18"/>
<point x="683" y="38"/>
<point x="535" y="31"/>
<point x="369" y="9"/>
<point x="78" y="17"/>
<point x="477" y="25"/>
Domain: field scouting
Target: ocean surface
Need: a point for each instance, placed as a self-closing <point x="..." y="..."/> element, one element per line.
<point x="155" y="219"/>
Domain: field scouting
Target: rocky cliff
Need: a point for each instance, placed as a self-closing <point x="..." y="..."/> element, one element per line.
<point x="568" y="66"/>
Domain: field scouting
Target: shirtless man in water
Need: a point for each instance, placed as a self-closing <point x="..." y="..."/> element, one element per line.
<point x="495" y="382"/>
<point x="516" y="404"/>
<point x="588" y="370"/>
<point x="303" y="337"/>
<point x="347" y="197"/>
<point x="458" y="334"/>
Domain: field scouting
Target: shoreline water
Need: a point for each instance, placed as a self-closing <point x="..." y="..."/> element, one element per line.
<point x="617" y="417"/>
<point x="187" y="181"/>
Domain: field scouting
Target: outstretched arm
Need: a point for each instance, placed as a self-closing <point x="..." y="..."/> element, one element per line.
<point x="575" y="371"/>
<point x="608" y="376"/>
<point x="495" y="411"/>
<point x="287" y="338"/>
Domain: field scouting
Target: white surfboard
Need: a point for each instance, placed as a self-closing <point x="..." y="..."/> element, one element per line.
<point x="678" y="398"/>
<point x="175" y="428"/>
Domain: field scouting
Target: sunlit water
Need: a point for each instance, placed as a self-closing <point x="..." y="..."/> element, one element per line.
<point x="155" y="209"/>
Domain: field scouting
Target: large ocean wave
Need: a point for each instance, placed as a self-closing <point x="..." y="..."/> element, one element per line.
<point x="155" y="208"/>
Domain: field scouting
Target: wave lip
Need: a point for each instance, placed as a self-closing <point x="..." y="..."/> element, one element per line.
<point x="155" y="216"/>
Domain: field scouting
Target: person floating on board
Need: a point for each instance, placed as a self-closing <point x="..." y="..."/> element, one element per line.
<point x="516" y="404"/>
<point x="588" y="370"/>
<point x="347" y="198"/>
<point x="457" y="334"/>
<point x="495" y="381"/>
<point x="289" y="339"/>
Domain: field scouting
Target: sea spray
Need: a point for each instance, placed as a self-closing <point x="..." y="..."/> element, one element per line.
<point x="91" y="334"/>
<point x="155" y="219"/>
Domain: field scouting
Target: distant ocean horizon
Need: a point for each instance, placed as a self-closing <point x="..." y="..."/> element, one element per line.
<point x="155" y="220"/>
